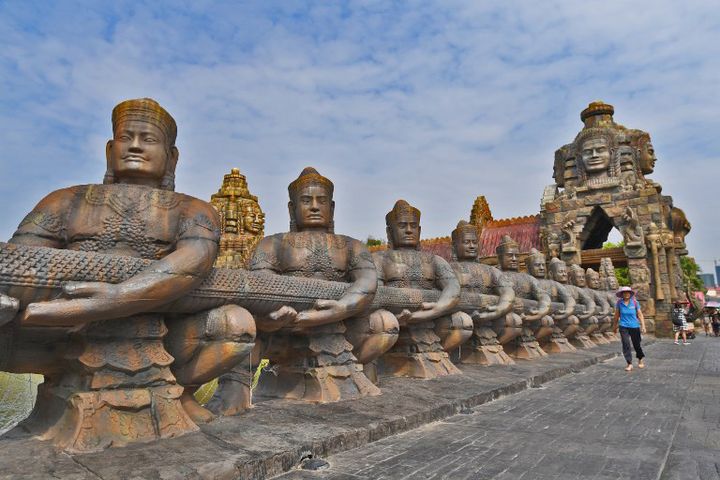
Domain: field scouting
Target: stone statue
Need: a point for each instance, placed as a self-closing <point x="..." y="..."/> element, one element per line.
<point x="242" y="221"/>
<point x="317" y="355"/>
<point x="115" y="374"/>
<point x="604" y="309"/>
<point x="484" y="348"/>
<point x="562" y="306"/>
<point x="529" y="320"/>
<point x="595" y="148"/>
<point x="584" y="305"/>
<point x="419" y="351"/>
<point x="611" y="285"/>
<point x="553" y="244"/>
<point x="576" y="277"/>
<point x="645" y="152"/>
<point x="569" y="236"/>
<point x="625" y="158"/>
<point x="633" y="235"/>
<point x="681" y="227"/>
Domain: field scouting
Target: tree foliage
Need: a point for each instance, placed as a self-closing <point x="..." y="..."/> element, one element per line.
<point x="373" y="242"/>
<point x="690" y="270"/>
<point x="621" y="273"/>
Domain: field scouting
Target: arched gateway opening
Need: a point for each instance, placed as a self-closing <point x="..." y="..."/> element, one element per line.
<point x="599" y="229"/>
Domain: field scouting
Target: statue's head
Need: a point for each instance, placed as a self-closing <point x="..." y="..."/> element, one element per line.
<point x="142" y="150"/>
<point x="508" y="254"/>
<point x="576" y="276"/>
<point x="596" y="153"/>
<point x="253" y="219"/>
<point x="625" y="156"/>
<point x="607" y="274"/>
<point x="558" y="270"/>
<point x="311" y="202"/>
<point x="536" y="264"/>
<point x="403" y="226"/>
<point x="645" y="153"/>
<point x="465" y="241"/>
<point x="592" y="279"/>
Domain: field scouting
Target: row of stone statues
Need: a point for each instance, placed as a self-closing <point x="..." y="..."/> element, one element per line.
<point x="131" y="322"/>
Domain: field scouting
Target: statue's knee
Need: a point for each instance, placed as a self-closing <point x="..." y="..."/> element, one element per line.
<point x="514" y="321"/>
<point x="547" y="321"/>
<point x="230" y="323"/>
<point x="462" y="321"/>
<point x="573" y="320"/>
<point x="382" y="321"/>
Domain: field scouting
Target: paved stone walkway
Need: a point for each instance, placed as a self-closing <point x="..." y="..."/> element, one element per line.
<point x="600" y="423"/>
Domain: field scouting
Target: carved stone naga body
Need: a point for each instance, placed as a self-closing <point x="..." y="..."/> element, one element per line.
<point x="584" y="305"/>
<point x="429" y="329"/>
<point x="114" y="371"/>
<point x="484" y="347"/>
<point x="529" y="321"/>
<point x="562" y="306"/>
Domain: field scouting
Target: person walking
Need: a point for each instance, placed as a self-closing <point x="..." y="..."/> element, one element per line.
<point x="679" y="320"/>
<point x="707" y="321"/>
<point x="630" y="321"/>
<point x="715" y="322"/>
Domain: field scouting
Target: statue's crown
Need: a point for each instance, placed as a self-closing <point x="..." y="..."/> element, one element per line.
<point x="505" y="242"/>
<point x="597" y="108"/>
<point x="462" y="228"/>
<point x="309" y="176"/>
<point x="145" y="110"/>
<point x="401" y="207"/>
<point x="535" y="255"/>
<point x="556" y="262"/>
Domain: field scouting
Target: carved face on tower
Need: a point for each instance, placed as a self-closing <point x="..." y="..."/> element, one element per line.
<point x="646" y="154"/>
<point x="626" y="158"/>
<point x="311" y="205"/>
<point x="253" y="218"/>
<point x="592" y="279"/>
<point x="465" y="241"/>
<point x="142" y="150"/>
<point x="558" y="270"/>
<point x="508" y="254"/>
<point x="577" y="276"/>
<point x="536" y="264"/>
<point x="403" y="226"/>
<point x="596" y="155"/>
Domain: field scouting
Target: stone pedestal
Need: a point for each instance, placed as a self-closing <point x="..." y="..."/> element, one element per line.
<point x="418" y="353"/>
<point x="484" y="349"/>
<point x="117" y="390"/>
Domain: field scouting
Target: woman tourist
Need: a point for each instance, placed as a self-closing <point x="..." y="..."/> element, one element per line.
<point x="631" y="323"/>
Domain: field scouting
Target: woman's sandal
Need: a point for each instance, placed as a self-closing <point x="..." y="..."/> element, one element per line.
<point x="628" y="368"/>
<point x="641" y="364"/>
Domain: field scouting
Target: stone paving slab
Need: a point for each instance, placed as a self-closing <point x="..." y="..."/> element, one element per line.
<point x="600" y="423"/>
<point x="275" y="435"/>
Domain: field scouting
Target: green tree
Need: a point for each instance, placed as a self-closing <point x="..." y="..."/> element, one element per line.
<point x="621" y="273"/>
<point x="690" y="270"/>
<point x="373" y="242"/>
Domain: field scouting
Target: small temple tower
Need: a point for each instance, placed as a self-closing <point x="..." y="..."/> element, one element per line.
<point x="242" y="221"/>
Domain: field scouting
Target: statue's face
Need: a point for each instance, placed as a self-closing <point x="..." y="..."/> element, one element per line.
<point x="647" y="157"/>
<point x="467" y="246"/>
<point x="536" y="267"/>
<point x="253" y="219"/>
<point x="593" y="281"/>
<point x="596" y="155"/>
<point x="579" y="280"/>
<point x="508" y="260"/>
<point x="613" y="283"/>
<point x="560" y="273"/>
<point x="138" y="152"/>
<point x="405" y="231"/>
<point x="313" y="208"/>
<point x="625" y="157"/>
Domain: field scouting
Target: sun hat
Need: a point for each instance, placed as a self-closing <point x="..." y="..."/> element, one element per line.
<point x="624" y="289"/>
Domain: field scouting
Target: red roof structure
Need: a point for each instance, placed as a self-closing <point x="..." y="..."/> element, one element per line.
<point x="524" y="230"/>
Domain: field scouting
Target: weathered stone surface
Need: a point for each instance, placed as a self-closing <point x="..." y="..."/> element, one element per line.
<point x="272" y="437"/>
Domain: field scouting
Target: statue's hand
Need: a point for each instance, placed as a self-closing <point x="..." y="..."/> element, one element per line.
<point x="404" y="316"/>
<point x="426" y="312"/>
<point x="87" y="302"/>
<point x="284" y="315"/>
<point x="8" y="308"/>
<point x="324" y="311"/>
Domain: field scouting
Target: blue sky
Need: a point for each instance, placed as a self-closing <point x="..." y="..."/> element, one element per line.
<point x="434" y="102"/>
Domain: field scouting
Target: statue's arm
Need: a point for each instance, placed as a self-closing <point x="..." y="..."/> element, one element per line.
<point x="587" y="300"/>
<point x="356" y="298"/>
<point x="503" y="287"/>
<point x="161" y="282"/>
<point x="602" y="304"/>
<point x="45" y="225"/>
<point x="543" y="299"/>
<point x="567" y="299"/>
<point x="447" y="282"/>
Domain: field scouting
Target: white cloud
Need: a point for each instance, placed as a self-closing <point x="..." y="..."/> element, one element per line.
<point x="435" y="103"/>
